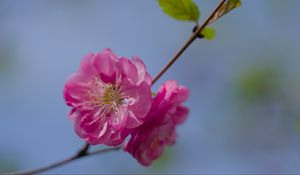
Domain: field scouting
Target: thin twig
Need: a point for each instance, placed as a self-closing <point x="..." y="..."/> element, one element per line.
<point x="188" y="43"/>
<point x="77" y="156"/>
<point x="84" y="150"/>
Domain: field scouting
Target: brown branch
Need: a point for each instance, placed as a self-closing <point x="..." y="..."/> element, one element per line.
<point x="188" y="42"/>
<point x="83" y="152"/>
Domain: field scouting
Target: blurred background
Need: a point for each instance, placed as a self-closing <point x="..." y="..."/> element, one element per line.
<point x="245" y="115"/>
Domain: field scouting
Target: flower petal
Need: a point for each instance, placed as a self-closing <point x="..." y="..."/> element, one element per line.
<point x="180" y="114"/>
<point x="105" y="64"/>
<point x="142" y="98"/>
<point x="143" y="75"/>
<point x="118" y="118"/>
<point x="75" y="89"/>
<point x="133" y="121"/>
<point x="129" y="70"/>
<point x="86" y="65"/>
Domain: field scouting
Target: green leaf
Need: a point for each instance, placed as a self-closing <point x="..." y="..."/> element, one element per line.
<point x="225" y="8"/>
<point x="185" y="10"/>
<point x="208" y="33"/>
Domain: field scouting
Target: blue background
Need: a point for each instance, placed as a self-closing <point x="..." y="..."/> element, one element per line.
<point x="244" y="102"/>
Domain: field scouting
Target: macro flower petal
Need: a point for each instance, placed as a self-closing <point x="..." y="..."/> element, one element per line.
<point x="143" y="75"/>
<point x="105" y="64"/>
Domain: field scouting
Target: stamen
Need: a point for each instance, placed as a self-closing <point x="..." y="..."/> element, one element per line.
<point x="105" y="98"/>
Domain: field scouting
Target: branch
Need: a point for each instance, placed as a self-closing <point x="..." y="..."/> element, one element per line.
<point x="188" y="42"/>
<point x="83" y="152"/>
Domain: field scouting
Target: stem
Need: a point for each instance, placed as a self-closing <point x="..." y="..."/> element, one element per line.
<point x="83" y="151"/>
<point x="188" y="42"/>
<point x="80" y="154"/>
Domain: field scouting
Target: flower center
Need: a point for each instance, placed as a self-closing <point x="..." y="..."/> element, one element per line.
<point x="106" y="98"/>
<point x="112" y="95"/>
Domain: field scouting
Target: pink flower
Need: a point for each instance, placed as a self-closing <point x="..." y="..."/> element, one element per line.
<point x="147" y="142"/>
<point x="108" y="96"/>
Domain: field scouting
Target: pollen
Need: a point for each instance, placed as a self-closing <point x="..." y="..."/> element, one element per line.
<point x="112" y="95"/>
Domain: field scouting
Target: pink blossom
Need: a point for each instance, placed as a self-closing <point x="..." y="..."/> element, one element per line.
<point x="108" y="95"/>
<point x="147" y="142"/>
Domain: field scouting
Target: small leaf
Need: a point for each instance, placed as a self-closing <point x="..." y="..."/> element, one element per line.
<point x="208" y="33"/>
<point x="185" y="10"/>
<point x="225" y="8"/>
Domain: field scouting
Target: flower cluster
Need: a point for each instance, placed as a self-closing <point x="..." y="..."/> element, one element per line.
<point x="111" y="99"/>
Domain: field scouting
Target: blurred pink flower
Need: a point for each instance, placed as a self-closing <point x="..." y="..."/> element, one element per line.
<point x="147" y="142"/>
<point x="108" y="96"/>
